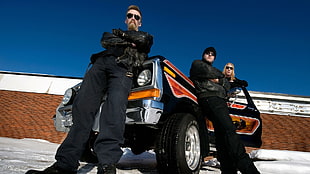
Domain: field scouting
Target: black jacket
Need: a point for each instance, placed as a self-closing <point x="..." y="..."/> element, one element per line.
<point x="201" y="72"/>
<point x="119" y="44"/>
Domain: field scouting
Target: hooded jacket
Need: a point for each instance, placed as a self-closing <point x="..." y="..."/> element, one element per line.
<point x="201" y="72"/>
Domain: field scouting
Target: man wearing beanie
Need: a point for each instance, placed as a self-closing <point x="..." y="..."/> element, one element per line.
<point x="211" y="87"/>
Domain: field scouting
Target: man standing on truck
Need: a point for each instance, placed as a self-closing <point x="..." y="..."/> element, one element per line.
<point x="110" y="74"/>
<point x="211" y="86"/>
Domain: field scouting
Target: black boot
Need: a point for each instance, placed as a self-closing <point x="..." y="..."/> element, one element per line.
<point x="106" y="169"/>
<point x="51" y="170"/>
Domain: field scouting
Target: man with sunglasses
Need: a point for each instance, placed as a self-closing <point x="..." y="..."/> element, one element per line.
<point x="211" y="86"/>
<point x="111" y="74"/>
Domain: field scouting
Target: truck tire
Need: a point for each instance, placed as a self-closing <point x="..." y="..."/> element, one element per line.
<point x="178" y="145"/>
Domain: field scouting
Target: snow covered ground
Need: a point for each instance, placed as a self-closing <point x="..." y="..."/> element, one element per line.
<point x="19" y="155"/>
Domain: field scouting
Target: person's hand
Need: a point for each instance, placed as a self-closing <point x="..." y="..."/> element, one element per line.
<point x="118" y="32"/>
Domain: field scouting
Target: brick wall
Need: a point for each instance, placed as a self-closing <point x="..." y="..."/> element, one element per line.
<point x="29" y="115"/>
<point x="286" y="132"/>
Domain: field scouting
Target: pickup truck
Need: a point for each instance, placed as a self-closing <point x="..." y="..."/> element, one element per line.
<point x="163" y="114"/>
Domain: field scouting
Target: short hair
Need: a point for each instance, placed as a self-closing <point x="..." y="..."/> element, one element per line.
<point x="134" y="7"/>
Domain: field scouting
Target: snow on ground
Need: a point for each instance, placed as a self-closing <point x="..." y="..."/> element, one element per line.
<point x="281" y="161"/>
<point x="19" y="155"/>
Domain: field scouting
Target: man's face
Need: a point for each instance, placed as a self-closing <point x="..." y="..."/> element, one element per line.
<point x="133" y="20"/>
<point x="209" y="57"/>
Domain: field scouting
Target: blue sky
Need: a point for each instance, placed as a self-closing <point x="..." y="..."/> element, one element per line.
<point x="268" y="41"/>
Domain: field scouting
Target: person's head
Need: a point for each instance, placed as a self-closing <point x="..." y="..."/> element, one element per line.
<point x="229" y="71"/>
<point x="209" y="54"/>
<point x="133" y="18"/>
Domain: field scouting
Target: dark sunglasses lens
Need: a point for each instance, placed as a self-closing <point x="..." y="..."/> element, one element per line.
<point x="129" y="15"/>
<point x="210" y="54"/>
<point x="228" y="67"/>
<point x="137" y="17"/>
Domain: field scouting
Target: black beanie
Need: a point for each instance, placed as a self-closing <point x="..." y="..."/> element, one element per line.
<point x="209" y="49"/>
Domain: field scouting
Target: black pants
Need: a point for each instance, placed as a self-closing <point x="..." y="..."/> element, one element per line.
<point x="105" y="76"/>
<point x="230" y="150"/>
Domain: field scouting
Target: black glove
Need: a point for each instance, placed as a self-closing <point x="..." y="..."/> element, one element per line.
<point x="119" y="33"/>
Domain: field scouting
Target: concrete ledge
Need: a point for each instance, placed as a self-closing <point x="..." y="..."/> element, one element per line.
<point x="36" y="83"/>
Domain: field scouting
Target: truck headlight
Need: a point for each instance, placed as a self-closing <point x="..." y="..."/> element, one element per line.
<point x="68" y="96"/>
<point x="144" y="77"/>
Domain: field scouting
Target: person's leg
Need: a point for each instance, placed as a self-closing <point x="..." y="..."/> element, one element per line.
<point x="113" y="115"/>
<point x="84" y="108"/>
<point x="229" y="140"/>
<point x="237" y="152"/>
<point x="227" y="163"/>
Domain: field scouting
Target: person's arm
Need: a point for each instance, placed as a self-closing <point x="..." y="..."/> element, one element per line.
<point x="109" y="40"/>
<point x="142" y="40"/>
<point x="240" y="83"/>
<point x="202" y="74"/>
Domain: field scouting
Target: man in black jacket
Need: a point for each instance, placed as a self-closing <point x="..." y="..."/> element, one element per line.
<point x="110" y="74"/>
<point x="211" y="86"/>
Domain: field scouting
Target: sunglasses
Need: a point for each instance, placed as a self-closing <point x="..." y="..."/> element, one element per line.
<point x="130" y="15"/>
<point x="210" y="54"/>
<point x="229" y="67"/>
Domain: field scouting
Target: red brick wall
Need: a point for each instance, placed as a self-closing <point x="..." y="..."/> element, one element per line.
<point x="29" y="115"/>
<point x="286" y="132"/>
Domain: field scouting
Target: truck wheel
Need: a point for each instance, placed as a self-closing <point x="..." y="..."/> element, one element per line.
<point x="178" y="146"/>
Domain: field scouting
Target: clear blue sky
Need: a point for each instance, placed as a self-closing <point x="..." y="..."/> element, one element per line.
<point x="267" y="40"/>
